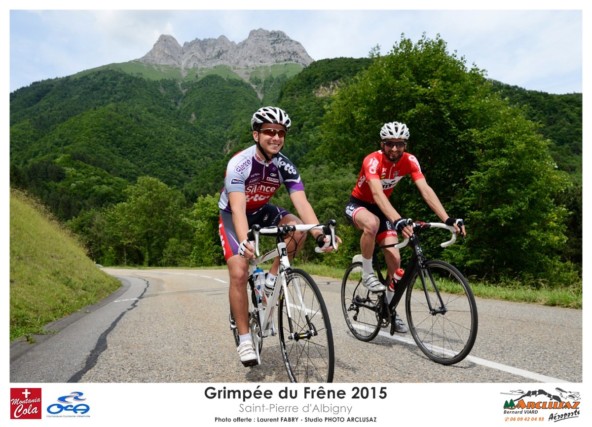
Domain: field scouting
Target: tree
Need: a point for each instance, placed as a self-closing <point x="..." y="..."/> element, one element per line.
<point x="485" y="160"/>
<point x="207" y="249"/>
<point x="141" y="227"/>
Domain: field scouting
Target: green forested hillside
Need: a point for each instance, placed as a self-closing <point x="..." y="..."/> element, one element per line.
<point x="560" y="117"/>
<point x="107" y="150"/>
<point x="73" y="138"/>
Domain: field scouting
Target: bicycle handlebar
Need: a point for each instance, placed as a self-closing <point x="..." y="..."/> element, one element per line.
<point x="281" y="230"/>
<point x="445" y="227"/>
<point x="450" y="228"/>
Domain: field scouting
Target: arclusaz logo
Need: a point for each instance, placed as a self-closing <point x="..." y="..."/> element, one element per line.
<point x="542" y="405"/>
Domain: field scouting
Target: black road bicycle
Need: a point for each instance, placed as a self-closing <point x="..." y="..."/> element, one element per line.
<point x="439" y="303"/>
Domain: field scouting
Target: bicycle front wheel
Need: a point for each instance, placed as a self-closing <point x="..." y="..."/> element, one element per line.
<point x="306" y="338"/>
<point x="442" y="312"/>
<point x="360" y="307"/>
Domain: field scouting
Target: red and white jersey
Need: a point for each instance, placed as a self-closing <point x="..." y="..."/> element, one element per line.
<point x="377" y="166"/>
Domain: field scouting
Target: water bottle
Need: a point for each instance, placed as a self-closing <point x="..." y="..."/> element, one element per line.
<point x="259" y="280"/>
<point x="390" y="292"/>
<point x="269" y="284"/>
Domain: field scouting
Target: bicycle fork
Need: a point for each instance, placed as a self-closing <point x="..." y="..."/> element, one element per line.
<point x="426" y="278"/>
<point x="305" y="334"/>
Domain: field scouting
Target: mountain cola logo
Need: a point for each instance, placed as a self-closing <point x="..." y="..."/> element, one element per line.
<point x="540" y="405"/>
<point x="25" y="403"/>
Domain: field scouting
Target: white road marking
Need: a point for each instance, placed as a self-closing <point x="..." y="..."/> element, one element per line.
<point x="488" y="363"/>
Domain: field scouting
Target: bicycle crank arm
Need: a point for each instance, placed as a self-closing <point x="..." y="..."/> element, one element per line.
<point x="358" y="302"/>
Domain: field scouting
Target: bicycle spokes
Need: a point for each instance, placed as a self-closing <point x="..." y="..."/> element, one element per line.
<point x="442" y="313"/>
<point x="432" y="291"/>
<point x="361" y="308"/>
<point x="305" y="332"/>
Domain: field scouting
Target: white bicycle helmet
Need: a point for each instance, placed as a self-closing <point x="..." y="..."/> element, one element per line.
<point x="272" y="115"/>
<point x="394" y="130"/>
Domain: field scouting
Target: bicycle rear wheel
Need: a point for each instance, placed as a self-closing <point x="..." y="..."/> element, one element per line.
<point x="306" y="338"/>
<point x="360" y="307"/>
<point x="444" y="332"/>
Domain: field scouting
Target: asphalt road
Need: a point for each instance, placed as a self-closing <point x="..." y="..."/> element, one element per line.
<point x="171" y="326"/>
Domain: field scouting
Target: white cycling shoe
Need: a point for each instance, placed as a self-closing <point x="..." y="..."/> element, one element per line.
<point x="247" y="354"/>
<point x="373" y="284"/>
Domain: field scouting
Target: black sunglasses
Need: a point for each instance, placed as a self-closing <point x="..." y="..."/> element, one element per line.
<point x="398" y="144"/>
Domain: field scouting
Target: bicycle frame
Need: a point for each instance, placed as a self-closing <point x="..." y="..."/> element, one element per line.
<point x="417" y="263"/>
<point x="265" y="316"/>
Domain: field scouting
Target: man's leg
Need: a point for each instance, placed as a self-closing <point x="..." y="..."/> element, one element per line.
<point x="369" y="224"/>
<point x="238" y="270"/>
<point x="392" y="258"/>
<point x="294" y="243"/>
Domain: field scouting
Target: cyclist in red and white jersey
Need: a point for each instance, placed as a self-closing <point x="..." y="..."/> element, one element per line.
<point x="370" y="210"/>
<point x="252" y="178"/>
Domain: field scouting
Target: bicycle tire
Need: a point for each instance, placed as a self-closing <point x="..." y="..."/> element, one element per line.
<point x="307" y="358"/>
<point x="360" y="307"/>
<point x="445" y="337"/>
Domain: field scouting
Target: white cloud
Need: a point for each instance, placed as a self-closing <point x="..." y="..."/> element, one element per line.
<point x="535" y="49"/>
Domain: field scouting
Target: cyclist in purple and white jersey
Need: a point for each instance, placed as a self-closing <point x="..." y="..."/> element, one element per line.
<point x="252" y="178"/>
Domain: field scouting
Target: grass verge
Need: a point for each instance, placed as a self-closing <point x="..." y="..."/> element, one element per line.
<point x="50" y="274"/>
<point x="560" y="297"/>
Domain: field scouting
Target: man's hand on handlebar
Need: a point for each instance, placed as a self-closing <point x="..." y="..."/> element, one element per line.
<point x="324" y="243"/>
<point x="458" y="224"/>
<point x="246" y="249"/>
<point x="405" y="227"/>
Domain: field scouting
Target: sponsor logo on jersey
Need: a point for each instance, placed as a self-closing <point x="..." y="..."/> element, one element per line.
<point x="413" y="159"/>
<point x="373" y="166"/>
<point x="287" y="166"/>
<point x="243" y="165"/>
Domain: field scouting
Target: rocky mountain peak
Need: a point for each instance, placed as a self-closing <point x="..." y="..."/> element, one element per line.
<point x="166" y="51"/>
<point x="261" y="47"/>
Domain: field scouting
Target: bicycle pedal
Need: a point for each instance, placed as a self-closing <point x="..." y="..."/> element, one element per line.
<point x="251" y="363"/>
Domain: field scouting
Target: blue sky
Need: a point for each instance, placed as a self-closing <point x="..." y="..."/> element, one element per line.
<point x="535" y="48"/>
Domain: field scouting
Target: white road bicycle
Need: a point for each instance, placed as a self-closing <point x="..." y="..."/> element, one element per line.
<point x="302" y="323"/>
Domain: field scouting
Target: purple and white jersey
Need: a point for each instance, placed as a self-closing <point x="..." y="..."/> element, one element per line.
<point x="259" y="181"/>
